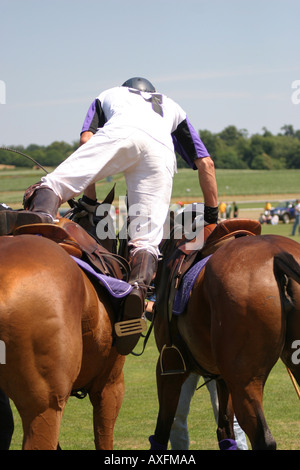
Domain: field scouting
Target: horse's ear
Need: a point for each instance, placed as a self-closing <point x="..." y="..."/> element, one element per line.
<point x="110" y="197"/>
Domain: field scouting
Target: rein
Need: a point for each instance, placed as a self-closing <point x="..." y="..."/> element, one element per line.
<point x="147" y="336"/>
<point x="71" y="202"/>
<point x="24" y="155"/>
<point x="206" y="382"/>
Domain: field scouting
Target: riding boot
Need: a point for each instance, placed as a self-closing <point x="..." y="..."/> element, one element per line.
<point x="41" y="207"/>
<point x="143" y="267"/>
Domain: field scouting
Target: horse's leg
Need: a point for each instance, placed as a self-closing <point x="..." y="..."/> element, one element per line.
<point x="6" y="422"/>
<point x="246" y="349"/>
<point x="245" y="380"/>
<point x="41" y="432"/>
<point x="107" y="401"/>
<point x="247" y="403"/>
<point x="169" y="388"/>
<point x="225" y="431"/>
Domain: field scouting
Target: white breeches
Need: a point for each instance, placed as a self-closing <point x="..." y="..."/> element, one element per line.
<point x="148" y="167"/>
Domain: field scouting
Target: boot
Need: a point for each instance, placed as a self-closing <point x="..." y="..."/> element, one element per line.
<point x="42" y="208"/>
<point x="143" y="267"/>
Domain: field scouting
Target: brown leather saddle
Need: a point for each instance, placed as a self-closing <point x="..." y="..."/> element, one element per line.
<point x="180" y="255"/>
<point x="77" y="242"/>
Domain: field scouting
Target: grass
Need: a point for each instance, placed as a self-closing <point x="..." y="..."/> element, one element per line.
<point x="240" y="182"/>
<point x="231" y="183"/>
<point x="137" y="417"/>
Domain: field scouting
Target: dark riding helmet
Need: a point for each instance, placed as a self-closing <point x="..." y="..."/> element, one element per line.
<point x="141" y="84"/>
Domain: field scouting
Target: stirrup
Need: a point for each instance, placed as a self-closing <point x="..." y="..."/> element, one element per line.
<point x="181" y="366"/>
<point x="130" y="327"/>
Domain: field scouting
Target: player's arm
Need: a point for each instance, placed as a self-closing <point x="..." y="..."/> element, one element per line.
<point x="207" y="180"/>
<point x="188" y="144"/>
<point x="93" y="120"/>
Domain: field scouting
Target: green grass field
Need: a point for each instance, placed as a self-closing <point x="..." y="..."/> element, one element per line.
<point x="247" y="184"/>
<point x="137" y="418"/>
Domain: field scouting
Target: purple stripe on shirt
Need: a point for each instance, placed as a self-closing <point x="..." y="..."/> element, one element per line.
<point x="89" y="117"/>
<point x="201" y="150"/>
<point x="188" y="143"/>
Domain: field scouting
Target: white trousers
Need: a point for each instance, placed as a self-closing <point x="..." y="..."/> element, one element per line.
<point x="148" y="167"/>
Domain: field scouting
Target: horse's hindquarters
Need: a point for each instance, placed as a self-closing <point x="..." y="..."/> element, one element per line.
<point x="248" y="324"/>
<point x="41" y="298"/>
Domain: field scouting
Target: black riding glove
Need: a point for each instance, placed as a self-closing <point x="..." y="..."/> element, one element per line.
<point x="90" y="205"/>
<point x="210" y="215"/>
<point x="85" y="207"/>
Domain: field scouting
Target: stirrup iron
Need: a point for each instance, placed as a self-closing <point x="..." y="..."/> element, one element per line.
<point x="130" y="327"/>
<point x="181" y="366"/>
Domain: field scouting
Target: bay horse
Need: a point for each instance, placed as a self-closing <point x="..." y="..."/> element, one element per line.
<point x="243" y="314"/>
<point x="56" y="323"/>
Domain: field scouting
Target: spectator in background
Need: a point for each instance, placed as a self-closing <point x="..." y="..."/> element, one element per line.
<point x="268" y="206"/>
<point x="235" y="210"/>
<point x="228" y="210"/>
<point x="297" y="218"/>
<point x="222" y="210"/>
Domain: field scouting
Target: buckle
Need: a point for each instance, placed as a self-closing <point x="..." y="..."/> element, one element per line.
<point x="130" y="327"/>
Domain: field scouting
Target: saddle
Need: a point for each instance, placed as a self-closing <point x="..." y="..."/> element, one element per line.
<point x="77" y="242"/>
<point x="180" y="255"/>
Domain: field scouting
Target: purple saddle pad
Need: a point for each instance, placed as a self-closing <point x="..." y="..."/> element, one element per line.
<point x="116" y="287"/>
<point x="183" y="293"/>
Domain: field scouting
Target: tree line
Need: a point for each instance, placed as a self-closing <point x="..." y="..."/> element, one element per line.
<point x="234" y="149"/>
<point x="231" y="148"/>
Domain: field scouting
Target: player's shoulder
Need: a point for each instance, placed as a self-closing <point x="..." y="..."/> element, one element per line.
<point x="110" y="92"/>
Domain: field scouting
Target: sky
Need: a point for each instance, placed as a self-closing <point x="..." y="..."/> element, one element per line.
<point x="226" y="62"/>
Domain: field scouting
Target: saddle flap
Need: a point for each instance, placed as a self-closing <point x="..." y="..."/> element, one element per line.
<point x="76" y="232"/>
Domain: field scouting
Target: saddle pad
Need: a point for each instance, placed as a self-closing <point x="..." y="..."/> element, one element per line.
<point x="183" y="293"/>
<point x="116" y="287"/>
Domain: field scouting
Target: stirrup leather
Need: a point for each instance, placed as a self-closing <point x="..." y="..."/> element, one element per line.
<point x="130" y="327"/>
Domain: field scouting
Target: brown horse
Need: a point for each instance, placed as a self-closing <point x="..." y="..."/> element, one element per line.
<point x="243" y="314"/>
<point x="56" y="324"/>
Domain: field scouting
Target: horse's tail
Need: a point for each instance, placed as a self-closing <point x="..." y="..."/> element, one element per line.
<point x="286" y="268"/>
<point x="286" y="265"/>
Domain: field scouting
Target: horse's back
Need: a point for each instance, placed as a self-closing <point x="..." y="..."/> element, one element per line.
<point x="245" y="265"/>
